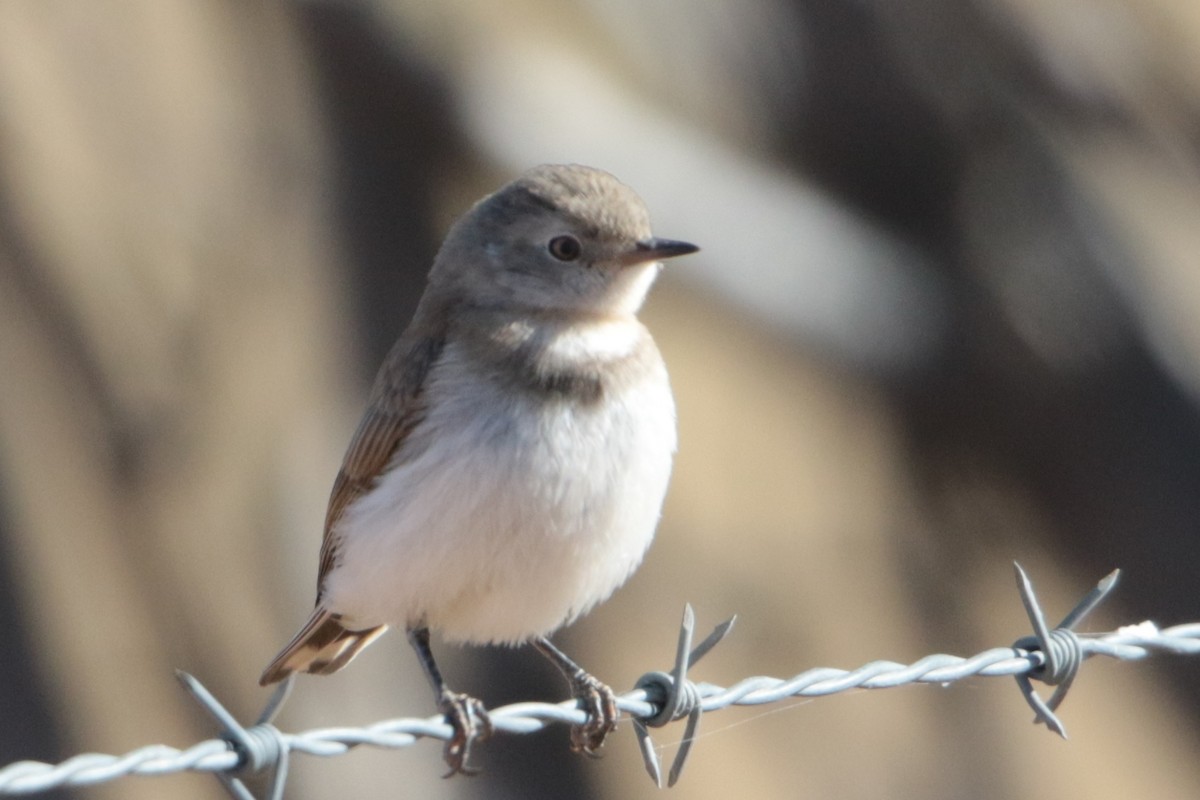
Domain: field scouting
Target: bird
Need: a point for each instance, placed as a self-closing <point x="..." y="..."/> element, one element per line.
<point x="510" y="469"/>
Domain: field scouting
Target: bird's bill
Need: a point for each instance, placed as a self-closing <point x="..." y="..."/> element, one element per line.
<point x="655" y="249"/>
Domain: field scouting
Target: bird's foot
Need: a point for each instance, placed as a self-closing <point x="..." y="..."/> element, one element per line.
<point x="600" y="703"/>
<point x="471" y="723"/>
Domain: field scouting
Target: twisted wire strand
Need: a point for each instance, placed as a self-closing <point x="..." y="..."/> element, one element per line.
<point x="1131" y="643"/>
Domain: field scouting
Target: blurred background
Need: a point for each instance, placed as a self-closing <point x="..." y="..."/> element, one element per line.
<point x="946" y="315"/>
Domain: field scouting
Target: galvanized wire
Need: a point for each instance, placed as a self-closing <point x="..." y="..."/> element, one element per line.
<point x="263" y="747"/>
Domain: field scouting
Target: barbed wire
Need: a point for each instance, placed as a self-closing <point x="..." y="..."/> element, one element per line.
<point x="1051" y="656"/>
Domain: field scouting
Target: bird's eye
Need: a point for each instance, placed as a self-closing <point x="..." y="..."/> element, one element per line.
<point x="565" y="248"/>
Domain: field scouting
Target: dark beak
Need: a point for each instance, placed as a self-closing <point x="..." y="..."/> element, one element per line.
<point x="656" y="249"/>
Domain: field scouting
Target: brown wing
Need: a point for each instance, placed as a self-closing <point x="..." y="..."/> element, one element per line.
<point x="396" y="407"/>
<point x="324" y="645"/>
<point x="380" y="434"/>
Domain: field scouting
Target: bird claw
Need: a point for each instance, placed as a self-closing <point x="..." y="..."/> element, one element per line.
<point x="600" y="703"/>
<point x="471" y="723"/>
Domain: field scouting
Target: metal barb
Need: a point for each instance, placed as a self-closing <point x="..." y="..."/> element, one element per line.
<point x="1060" y="648"/>
<point x="680" y="696"/>
<point x="227" y="757"/>
<point x="275" y="702"/>
<point x="260" y="748"/>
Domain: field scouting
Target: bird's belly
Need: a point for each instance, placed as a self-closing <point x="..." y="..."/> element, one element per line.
<point x="517" y="517"/>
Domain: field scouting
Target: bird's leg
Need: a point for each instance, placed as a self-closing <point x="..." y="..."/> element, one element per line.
<point x="599" y="701"/>
<point x="465" y="714"/>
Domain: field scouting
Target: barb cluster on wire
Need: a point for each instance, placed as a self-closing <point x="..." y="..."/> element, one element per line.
<point x="1052" y="656"/>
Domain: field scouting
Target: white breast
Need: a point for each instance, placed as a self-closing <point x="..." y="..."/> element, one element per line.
<point x="521" y="513"/>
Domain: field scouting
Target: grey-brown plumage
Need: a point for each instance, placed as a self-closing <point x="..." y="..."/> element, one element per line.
<point x="510" y="467"/>
<point x="324" y="645"/>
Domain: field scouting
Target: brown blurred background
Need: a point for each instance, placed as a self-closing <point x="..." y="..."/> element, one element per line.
<point x="947" y="315"/>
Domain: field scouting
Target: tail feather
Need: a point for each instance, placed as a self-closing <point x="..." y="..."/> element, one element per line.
<point x="322" y="647"/>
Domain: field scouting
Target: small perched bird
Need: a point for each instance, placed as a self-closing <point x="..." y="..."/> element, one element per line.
<point x="510" y="469"/>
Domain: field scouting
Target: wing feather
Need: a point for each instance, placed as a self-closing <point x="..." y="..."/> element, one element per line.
<point x="396" y="408"/>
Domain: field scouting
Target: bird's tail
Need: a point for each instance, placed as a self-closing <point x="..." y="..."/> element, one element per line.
<point x="323" y="646"/>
